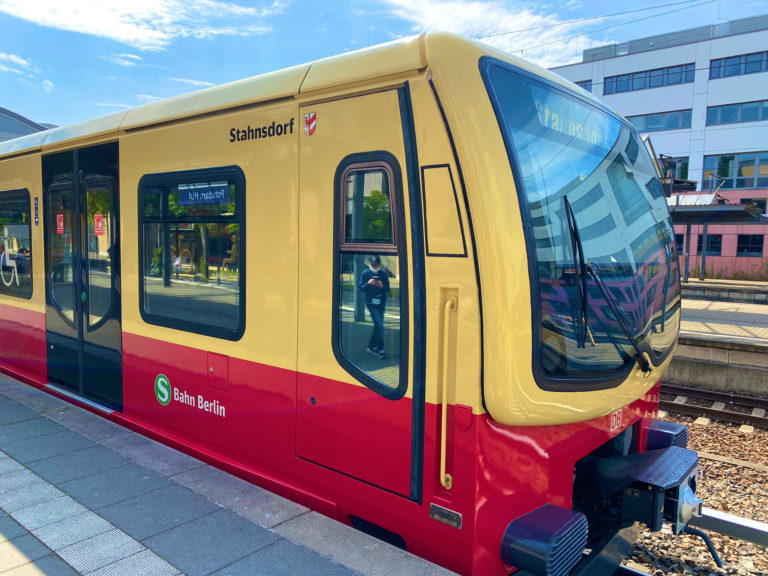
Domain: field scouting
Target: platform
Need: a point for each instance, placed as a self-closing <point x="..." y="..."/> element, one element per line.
<point x="83" y="495"/>
<point x="726" y="290"/>
<point x="723" y="346"/>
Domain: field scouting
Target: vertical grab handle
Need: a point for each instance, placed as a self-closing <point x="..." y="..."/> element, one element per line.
<point x="450" y="306"/>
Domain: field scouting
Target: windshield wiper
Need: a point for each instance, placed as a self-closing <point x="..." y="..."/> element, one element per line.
<point x="577" y="250"/>
<point x="620" y="316"/>
<point x="582" y="269"/>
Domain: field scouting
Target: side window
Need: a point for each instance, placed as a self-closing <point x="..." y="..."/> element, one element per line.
<point x="370" y="295"/>
<point x="192" y="235"/>
<point x="15" y="244"/>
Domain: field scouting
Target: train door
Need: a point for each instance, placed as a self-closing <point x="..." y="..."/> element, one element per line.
<point x="82" y="257"/>
<point x="359" y="393"/>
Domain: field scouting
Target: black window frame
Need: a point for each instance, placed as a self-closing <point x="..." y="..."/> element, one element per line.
<point x="166" y="179"/>
<point x="716" y="239"/>
<point x="750" y="253"/>
<point x="680" y="243"/>
<point x="4" y="194"/>
<point x="684" y="117"/>
<point x="719" y="67"/>
<point x="732" y="181"/>
<point x="715" y="113"/>
<point x="648" y="79"/>
<point x="361" y="161"/>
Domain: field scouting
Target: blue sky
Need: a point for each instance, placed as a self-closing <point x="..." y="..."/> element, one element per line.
<point x="63" y="61"/>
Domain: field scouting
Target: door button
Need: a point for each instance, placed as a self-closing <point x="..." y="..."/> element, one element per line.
<point x="83" y="297"/>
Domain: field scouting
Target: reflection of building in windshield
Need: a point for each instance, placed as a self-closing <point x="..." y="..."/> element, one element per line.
<point x="624" y="229"/>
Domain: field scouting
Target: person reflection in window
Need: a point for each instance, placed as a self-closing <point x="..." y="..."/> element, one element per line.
<point x="375" y="284"/>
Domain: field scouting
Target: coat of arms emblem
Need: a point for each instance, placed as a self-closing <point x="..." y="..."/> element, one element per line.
<point x="310" y="123"/>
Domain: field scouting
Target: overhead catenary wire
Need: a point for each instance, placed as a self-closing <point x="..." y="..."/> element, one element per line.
<point x="586" y="19"/>
<point x="615" y="26"/>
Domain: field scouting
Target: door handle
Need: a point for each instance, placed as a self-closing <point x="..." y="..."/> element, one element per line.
<point x="446" y="480"/>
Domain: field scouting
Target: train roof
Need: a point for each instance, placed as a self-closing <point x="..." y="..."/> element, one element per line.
<point x="390" y="59"/>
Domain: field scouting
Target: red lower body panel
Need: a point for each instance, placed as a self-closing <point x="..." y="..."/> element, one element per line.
<point x="244" y="417"/>
<point x="22" y="343"/>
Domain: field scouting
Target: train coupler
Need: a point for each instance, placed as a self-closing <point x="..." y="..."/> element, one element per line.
<point x="665" y="489"/>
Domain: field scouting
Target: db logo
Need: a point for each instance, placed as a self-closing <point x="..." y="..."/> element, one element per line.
<point x="616" y="421"/>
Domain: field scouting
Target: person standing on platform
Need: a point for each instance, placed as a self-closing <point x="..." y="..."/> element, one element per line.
<point x="374" y="282"/>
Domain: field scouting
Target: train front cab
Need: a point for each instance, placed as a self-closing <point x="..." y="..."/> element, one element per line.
<point x="563" y="198"/>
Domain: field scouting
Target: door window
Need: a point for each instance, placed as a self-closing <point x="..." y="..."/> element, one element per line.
<point x="15" y="247"/>
<point x="99" y="249"/>
<point x="371" y="304"/>
<point x="61" y="220"/>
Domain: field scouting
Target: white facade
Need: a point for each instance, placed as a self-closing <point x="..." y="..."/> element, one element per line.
<point x="698" y="46"/>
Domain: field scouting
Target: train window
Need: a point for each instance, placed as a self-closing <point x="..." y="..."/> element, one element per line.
<point x="370" y="305"/>
<point x="15" y="246"/>
<point x="192" y="253"/>
<point x="561" y="149"/>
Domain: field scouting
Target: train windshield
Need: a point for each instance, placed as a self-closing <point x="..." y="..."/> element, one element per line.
<point x="565" y="150"/>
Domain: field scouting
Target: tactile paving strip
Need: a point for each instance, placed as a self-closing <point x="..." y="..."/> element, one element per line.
<point x="82" y="538"/>
<point x="72" y="530"/>
<point x="35" y="493"/>
<point x="99" y="551"/>
<point x="49" y="512"/>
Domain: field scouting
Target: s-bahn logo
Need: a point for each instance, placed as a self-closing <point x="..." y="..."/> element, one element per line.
<point x="165" y="393"/>
<point x="162" y="389"/>
<point x="310" y="123"/>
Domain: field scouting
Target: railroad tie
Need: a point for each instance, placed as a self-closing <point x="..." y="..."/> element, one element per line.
<point x="759" y="412"/>
<point x="718" y="406"/>
<point x="680" y="399"/>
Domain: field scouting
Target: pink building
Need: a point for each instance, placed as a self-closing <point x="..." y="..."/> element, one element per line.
<point x="733" y="251"/>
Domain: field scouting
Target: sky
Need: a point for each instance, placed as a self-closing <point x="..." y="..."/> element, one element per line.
<point x="65" y="61"/>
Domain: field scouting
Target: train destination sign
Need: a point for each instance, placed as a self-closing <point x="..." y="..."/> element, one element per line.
<point x="204" y="194"/>
<point x="165" y="393"/>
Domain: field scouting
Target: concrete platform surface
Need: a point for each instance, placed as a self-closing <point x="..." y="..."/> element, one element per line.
<point x="82" y="495"/>
<point x="725" y="321"/>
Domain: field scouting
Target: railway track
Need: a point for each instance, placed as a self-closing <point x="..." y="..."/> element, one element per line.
<point x="720" y="407"/>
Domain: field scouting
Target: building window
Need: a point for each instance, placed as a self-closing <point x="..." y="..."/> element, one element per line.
<point x="733" y="113"/>
<point x="750" y="245"/>
<point x="370" y="324"/>
<point x="738" y="65"/>
<point x="662" y="121"/>
<point x="714" y="244"/>
<point x="734" y="171"/>
<point x="192" y="274"/>
<point x="682" y="74"/>
<point x="680" y="244"/>
<point x="15" y="244"/>
<point x="585" y="84"/>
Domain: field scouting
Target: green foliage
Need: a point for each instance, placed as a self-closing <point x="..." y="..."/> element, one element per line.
<point x="376" y="218"/>
<point x="155" y="266"/>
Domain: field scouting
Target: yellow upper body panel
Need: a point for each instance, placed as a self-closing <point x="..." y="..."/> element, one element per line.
<point x="149" y="142"/>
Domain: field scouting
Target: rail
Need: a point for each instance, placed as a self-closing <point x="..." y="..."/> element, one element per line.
<point x="756" y="418"/>
<point x="730" y="525"/>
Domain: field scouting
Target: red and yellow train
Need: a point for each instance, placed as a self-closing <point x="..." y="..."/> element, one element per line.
<point x="427" y="289"/>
